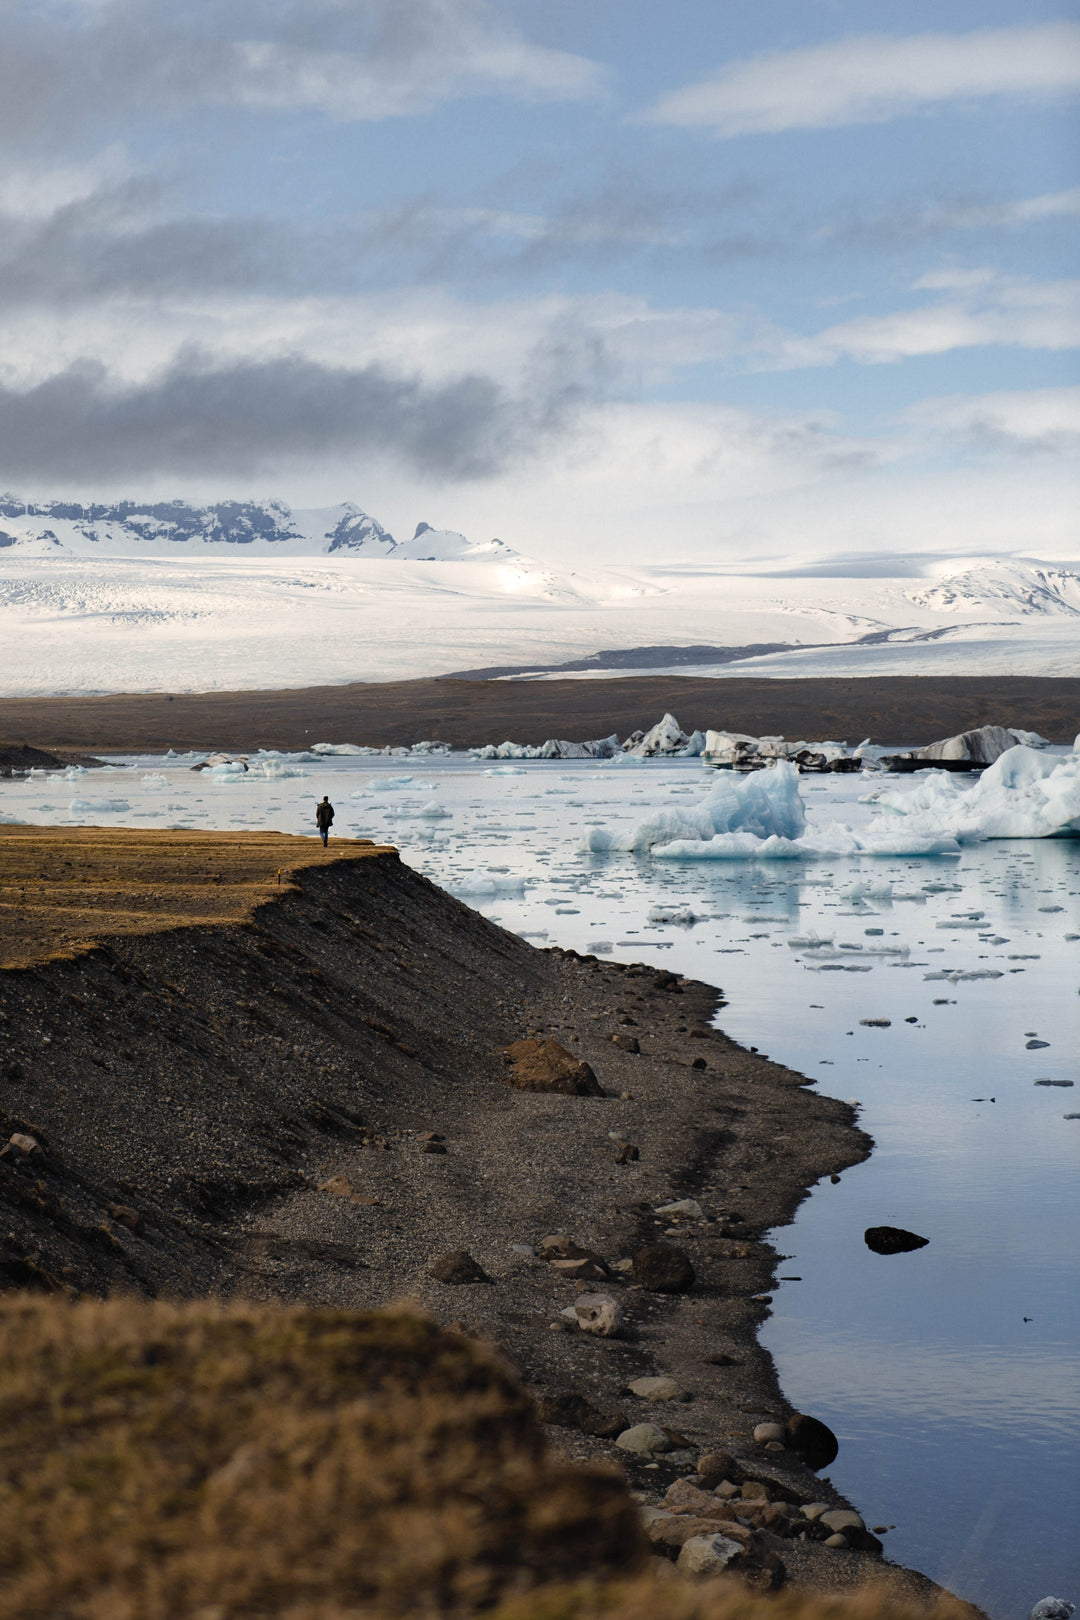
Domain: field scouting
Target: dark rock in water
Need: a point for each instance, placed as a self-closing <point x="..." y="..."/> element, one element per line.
<point x="544" y="1065"/>
<point x="664" y="1269"/>
<point x="458" y="1267"/>
<point x="811" y="1440"/>
<point x="892" y="1240"/>
<point x="1033" y="1046"/>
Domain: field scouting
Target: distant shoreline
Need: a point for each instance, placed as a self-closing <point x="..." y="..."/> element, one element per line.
<point x="467" y="713"/>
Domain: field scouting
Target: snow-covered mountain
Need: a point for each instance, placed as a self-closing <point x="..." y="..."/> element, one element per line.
<point x="267" y="528"/>
<point x="995" y="587"/>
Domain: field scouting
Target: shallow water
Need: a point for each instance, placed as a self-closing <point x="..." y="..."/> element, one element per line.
<point x="950" y="1375"/>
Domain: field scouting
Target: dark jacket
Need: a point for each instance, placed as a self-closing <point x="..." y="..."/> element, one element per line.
<point x="324" y="814"/>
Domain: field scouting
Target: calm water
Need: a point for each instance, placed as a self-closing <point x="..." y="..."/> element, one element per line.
<point x="950" y="1375"/>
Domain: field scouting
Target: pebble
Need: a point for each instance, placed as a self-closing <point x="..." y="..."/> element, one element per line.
<point x="657" y="1389"/>
<point x="836" y="1540"/>
<point x="644" y="1440"/>
<point x="458" y="1267"/>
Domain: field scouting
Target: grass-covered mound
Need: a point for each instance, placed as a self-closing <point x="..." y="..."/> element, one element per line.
<point x="198" y="1462"/>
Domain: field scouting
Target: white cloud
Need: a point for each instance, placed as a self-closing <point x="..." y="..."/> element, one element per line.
<point x="1032" y="421"/>
<point x="985" y="310"/>
<point x="871" y="78"/>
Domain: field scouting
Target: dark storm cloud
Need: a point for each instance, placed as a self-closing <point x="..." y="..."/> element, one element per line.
<point x="202" y="415"/>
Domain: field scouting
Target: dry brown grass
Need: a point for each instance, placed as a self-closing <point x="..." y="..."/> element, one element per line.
<point x="651" y="1598"/>
<point x="161" y="1461"/>
<point x="62" y="889"/>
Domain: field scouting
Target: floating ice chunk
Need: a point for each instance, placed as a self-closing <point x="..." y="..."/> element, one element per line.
<point x="98" y="807"/>
<point x="666" y="737"/>
<point x="596" y="947"/>
<point x="764" y="805"/>
<point x="683" y="915"/>
<point x="810" y="942"/>
<point x="486" y="885"/>
<point x="867" y="891"/>
<point x="434" y="812"/>
<point x="154" y="781"/>
<point x="507" y="770"/>
<point x="274" y="771"/>
<point x="339" y="748"/>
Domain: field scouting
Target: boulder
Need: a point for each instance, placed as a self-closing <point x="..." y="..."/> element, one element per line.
<point x="982" y="746"/>
<point x="707" y="1555"/>
<point x="544" y="1065"/>
<point x="811" y="1440"/>
<point x="892" y="1240"/>
<point x="657" y="1389"/>
<point x="457" y="1267"/>
<point x="599" y="1314"/>
<point x="842" y="1519"/>
<point x="715" y="1466"/>
<point x="664" y="1269"/>
<point x="769" y="1431"/>
<point x="644" y="1440"/>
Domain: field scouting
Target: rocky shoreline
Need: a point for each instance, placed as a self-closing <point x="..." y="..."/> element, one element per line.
<point x="324" y="1101"/>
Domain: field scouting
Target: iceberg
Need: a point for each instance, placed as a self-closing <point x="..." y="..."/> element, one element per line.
<point x="1024" y="794"/>
<point x="765" y="805"/>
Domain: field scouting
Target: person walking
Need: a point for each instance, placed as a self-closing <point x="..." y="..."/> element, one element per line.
<point x="324" y="815"/>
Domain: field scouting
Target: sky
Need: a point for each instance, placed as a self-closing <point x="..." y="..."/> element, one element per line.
<point x="612" y="280"/>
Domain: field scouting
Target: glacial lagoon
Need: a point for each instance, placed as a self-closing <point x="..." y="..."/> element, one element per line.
<point x="950" y="1375"/>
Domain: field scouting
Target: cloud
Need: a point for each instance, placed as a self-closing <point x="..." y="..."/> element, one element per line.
<point x="67" y="69"/>
<point x="871" y="78"/>
<point x="984" y="310"/>
<point x="919" y="220"/>
<point x="202" y="415"/>
<point x="1021" y="422"/>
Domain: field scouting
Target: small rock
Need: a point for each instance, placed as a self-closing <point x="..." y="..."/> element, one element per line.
<point x="627" y="1153"/>
<point x="699" y="1063"/>
<point x="544" y="1065"/>
<point x="430" y="1136"/>
<point x="1051" y="1608"/>
<point x="686" y="1207"/>
<point x="836" y="1540"/>
<point x="587" y="1269"/>
<point x="811" y="1440"/>
<point x="458" y="1267"/>
<point x="559" y="1245"/>
<point x="524" y="1249"/>
<point x="892" y="1240"/>
<point x="835" y="1179"/>
<point x="876" y="1023"/>
<point x="714" y="1466"/>
<point x="127" y="1217"/>
<point x="625" y="1043"/>
<point x="657" y="1389"/>
<point x="814" y="1510"/>
<point x="663" y="1269"/>
<point x="1035" y="1046"/>
<point x="432" y="1147"/>
<point x="775" y="1445"/>
<point x="720" y="1358"/>
<point x="755" y="1490"/>
<point x="573" y="1411"/>
<point x="725" y="1490"/>
<point x="644" y="1440"/>
<point x="599" y="1314"/>
<point x="769" y="1431"/>
<point x="707" y="1555"/>
<point x="26" y="1145"/>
